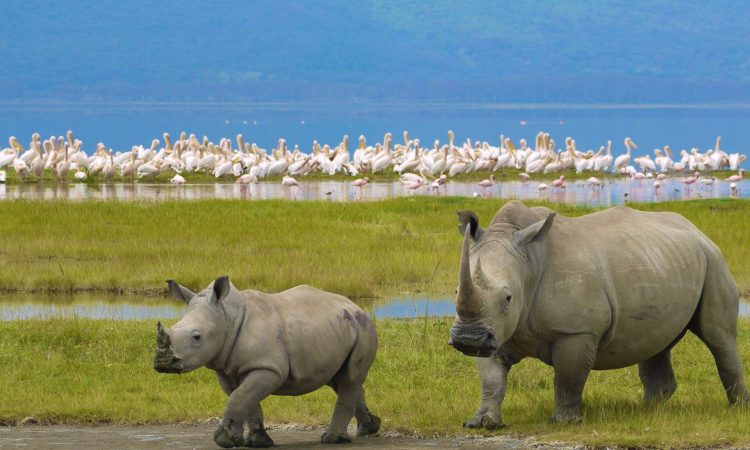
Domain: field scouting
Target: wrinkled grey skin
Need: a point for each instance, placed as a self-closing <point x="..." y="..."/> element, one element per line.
<point x="602" y="291"/>
<point x="289" y="343"/>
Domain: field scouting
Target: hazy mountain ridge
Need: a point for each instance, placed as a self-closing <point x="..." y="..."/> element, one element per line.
<point x="376" y="50"/>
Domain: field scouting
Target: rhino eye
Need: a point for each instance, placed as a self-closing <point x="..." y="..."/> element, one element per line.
<point x="507" y="298"/>
<point x="196" y="337"/>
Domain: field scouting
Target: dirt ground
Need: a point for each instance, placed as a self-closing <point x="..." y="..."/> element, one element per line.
<point x="200" y="437"/>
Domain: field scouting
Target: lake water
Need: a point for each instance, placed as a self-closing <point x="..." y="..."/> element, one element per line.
<point x="25" y="306"/>
<point x="94" y="306"/>
<point x="122" y="125"/>
<point x="613" y="192"/>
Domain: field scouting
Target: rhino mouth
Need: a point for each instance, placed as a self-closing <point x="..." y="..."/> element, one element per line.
<point x="473" y="340"/>
<point x="167" y="362"/>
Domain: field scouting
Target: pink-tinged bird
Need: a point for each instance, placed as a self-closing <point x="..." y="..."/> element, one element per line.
<point x="359" y="182"/>
<point x="487" y="182"/>
<point x="524" y="177"/>
<point x="594" y="182"/>
<point x="413" y="186"/>
<point x="289" y="181"/>
<point x="661" y="177"/>
<point x="736" y="178"/>
<point x="542" y="187"/>
<point x="560" y="182"/>
<point x="690" y="180"/>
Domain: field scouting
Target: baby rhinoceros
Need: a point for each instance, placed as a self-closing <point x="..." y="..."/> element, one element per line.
<point x="289" y="343"/>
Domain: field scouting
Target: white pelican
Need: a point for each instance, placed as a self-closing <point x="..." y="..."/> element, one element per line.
<point x="623" y="160"/>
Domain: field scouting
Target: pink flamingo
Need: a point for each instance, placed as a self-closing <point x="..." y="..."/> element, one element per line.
<point x="524" y="177"/>
<point x="414" y="185"/>
<point x="594" y="182"/>
<point x="559" y="183"/>
<point x="736" y="178"/>
<point x="359" y="182"/>
<point x="690" y="180"/>
<point x="637" y="176"/>
<point x="486" y="183"/>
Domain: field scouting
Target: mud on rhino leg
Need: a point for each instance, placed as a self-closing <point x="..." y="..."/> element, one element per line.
<point x="244" y="406"/>
<point x="493" y="375"/>
<point x="572" y="359"/>
<point x="658" y="378"/>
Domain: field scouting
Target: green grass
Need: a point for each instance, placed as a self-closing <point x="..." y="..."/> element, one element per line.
<point x="362" y="250"/>
<point x="86" y="371"/>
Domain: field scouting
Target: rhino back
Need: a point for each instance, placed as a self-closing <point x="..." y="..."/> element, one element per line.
<point x="314" y="331"/>
<point x="632" y="278"/>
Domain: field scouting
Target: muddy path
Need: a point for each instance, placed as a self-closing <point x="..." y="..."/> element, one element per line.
<point x="200" y="437"/>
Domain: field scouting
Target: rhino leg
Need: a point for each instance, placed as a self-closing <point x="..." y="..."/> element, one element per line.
<point x="493" y="375"/>
<point x="572" y="358"/>
<point x="367" y="422"/>
<point x="348" y="396"/>
<point x="658" y="378"/>
<point x="723" y="346"/>
<point x="715" y="323"/>
<point x="244" y="406"/>
<point x="259" y="439"/>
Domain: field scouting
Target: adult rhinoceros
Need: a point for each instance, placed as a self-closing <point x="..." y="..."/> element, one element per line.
<point x="289" y="343"/>
<point x="602" y="291"/>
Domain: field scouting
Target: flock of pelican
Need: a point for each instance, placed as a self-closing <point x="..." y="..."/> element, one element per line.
<point x="249" y="163"/>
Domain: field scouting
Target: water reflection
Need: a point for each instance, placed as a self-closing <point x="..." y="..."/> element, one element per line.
<point x="92" y="306"/>
<point x="612" y="192"/>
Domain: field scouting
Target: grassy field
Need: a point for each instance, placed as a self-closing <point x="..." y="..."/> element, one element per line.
<point x="84" y="371"/>
<point x="362" y="250"/>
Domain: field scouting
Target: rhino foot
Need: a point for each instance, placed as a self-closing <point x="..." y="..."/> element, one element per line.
<point x="225" y="439"/>
<point x="340" y="438"/>
<point x="569" y="419"/>
<point x="481" y="420"/>
<point x="370" y="427"/>
<point x="259" y="439"/>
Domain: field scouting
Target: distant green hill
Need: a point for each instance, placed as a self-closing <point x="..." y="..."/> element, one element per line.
<point x="546" y="50"/>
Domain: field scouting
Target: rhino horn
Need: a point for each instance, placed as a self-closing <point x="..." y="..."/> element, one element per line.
<point x="467" y="304"/>
<point x="162" y="338"/>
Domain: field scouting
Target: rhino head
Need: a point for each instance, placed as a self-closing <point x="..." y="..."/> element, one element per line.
<point x="495" y="280"/>
<point x="198" y="338"/>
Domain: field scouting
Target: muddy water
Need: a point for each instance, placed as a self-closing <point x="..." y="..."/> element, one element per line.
<point x="613" y="192"/>
<point x="22" y="307"/>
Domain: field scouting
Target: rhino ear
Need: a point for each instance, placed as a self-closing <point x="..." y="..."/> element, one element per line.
<point x="180" y="292"/>
<point x="534" y="232"/>
<point x="468" y="218"/>
<point x="221" y="289"/>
